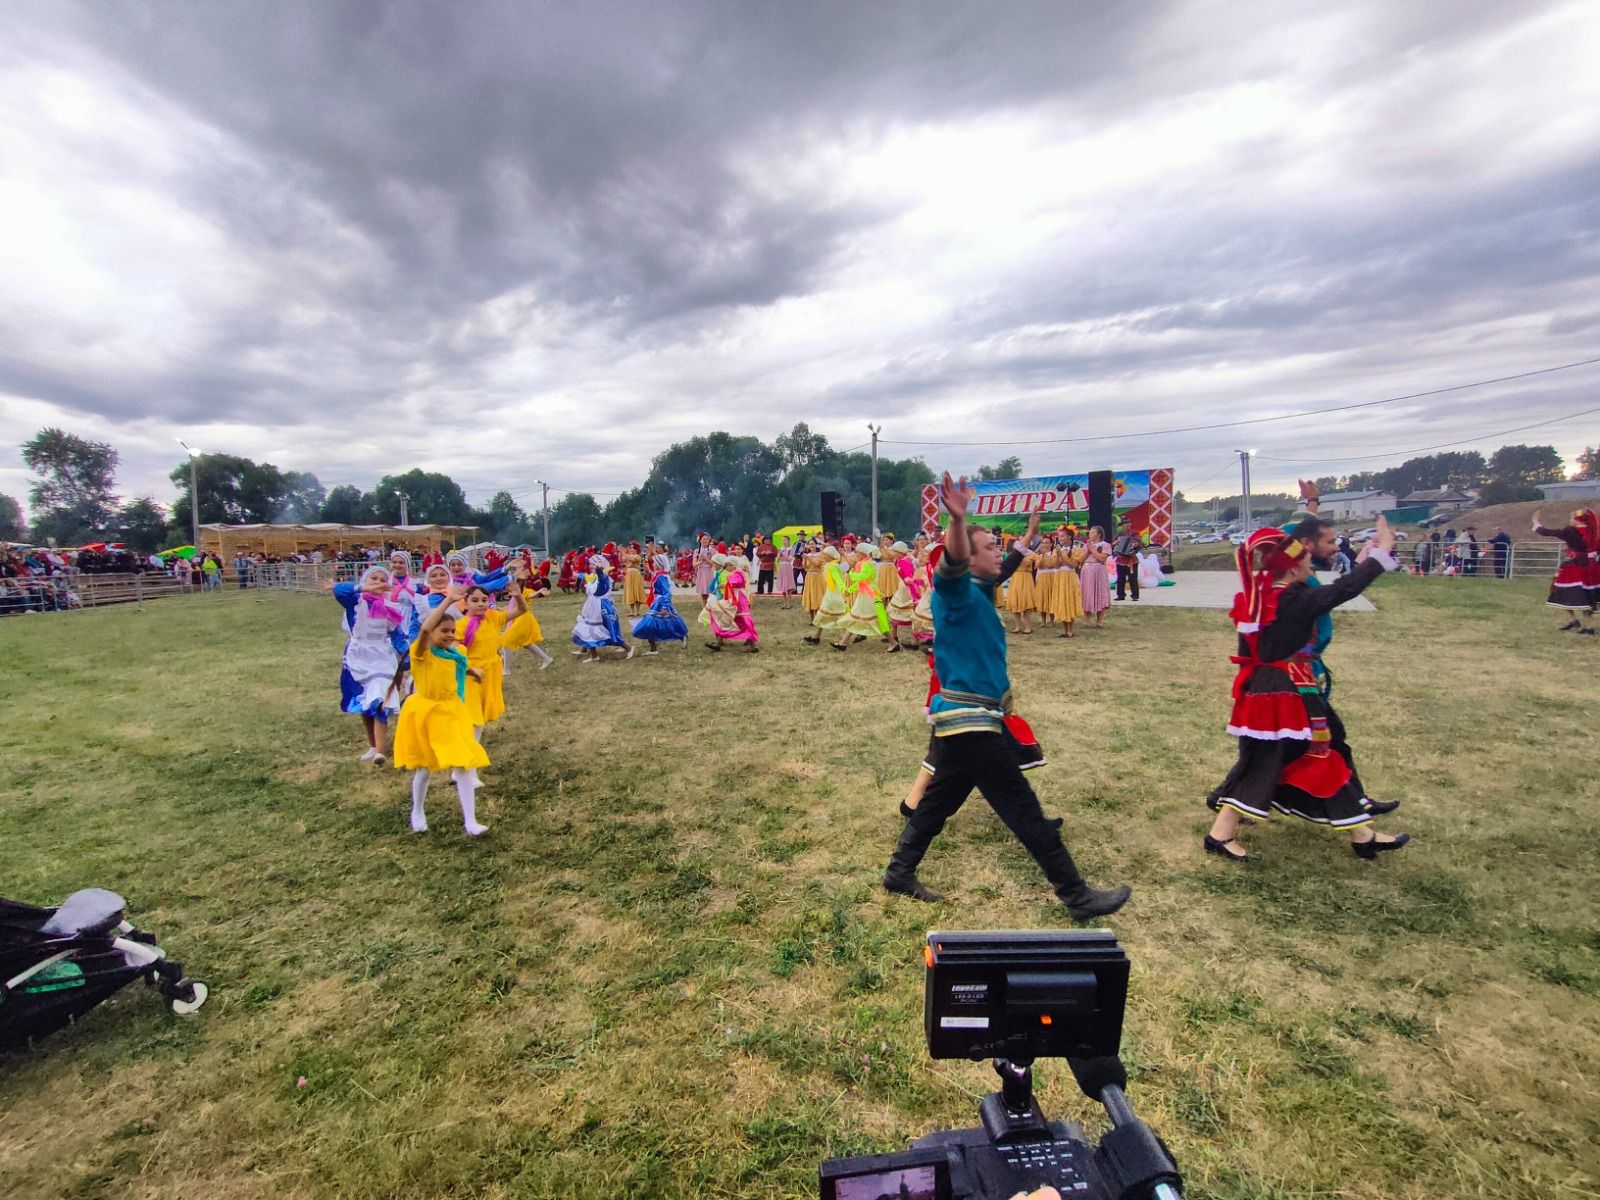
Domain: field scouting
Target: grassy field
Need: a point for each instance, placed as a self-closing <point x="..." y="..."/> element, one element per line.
<point x="669" y="969"/>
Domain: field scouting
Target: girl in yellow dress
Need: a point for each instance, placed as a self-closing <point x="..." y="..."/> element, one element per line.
<point x="888" y="578"/>
<point x="1046" y="565"/>
<point x="634" y="593"/>
<point x="832" y="608"/>
<point x="435" y="730"/>
<point x="1068" y="603"/>
<point x="526" y="633"/>
<point x="481" y="633"/>
<point x="812" y="588"/>
<point x="1020" y="596"/>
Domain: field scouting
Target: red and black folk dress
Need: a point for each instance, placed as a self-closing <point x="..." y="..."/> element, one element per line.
<point x="1577" y="582"/>
<point x="1293" y="757"/>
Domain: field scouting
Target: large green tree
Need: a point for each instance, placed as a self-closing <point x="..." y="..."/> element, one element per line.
<point x="576" y="520"/>
<point x="1525" y="465"/>
<point x="504" y="521"/>
<point x="142" y="524"/>
<point x="303" y="497"/>
<point x="11" y="527"/>
<point x="71" y="497"/>
<point x="235" y="491"/>
<point x="346" y="505"/>
<point x="431" y="499"/>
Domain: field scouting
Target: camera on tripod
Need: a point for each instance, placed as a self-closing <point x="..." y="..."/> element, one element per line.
<point x="1017" y="997"/>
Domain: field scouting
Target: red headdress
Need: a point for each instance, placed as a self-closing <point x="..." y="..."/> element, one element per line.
<point x="611" y="548"/>
<point x="1589" y="524"/>
<point x="1265" y="555"/>
<point x="722" y="547"/>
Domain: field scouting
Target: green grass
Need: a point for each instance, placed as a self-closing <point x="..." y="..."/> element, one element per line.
<point x="669" y="969"/>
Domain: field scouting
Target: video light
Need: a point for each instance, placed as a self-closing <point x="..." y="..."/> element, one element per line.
<point x="1024" y="995"/>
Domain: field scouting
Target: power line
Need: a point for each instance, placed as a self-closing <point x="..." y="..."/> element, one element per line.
<point x="1314" y="412"/>
<point x="1441" y="446"/>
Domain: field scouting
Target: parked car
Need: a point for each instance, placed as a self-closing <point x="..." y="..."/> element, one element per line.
<point x="1208" y="539"/>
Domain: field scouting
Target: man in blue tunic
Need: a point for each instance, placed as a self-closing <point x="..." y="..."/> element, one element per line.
<point x="969" y="713"/>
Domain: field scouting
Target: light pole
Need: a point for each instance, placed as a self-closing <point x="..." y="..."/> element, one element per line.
<point x="876" y="430"/>
<point x="1244" y="487"/>
<point x="546" y="488"/>
<point x="194" y="495"/>
<point x="404" y="512"/>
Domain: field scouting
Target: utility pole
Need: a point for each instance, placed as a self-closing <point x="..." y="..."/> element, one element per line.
<point x="1244" y="488"/>
<point x="546" y="488"/>
<point x="194" y="496"/>
<point x="876" y="430"/>
<point x="404" y="511"/>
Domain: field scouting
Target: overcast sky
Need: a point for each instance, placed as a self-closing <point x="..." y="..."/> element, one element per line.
<point x="517" y="241"/>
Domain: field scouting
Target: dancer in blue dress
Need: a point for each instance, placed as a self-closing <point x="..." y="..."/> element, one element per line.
<point x="662" y="623"/>
<point x="374" y="643"/>
<point x="597" y="625"/>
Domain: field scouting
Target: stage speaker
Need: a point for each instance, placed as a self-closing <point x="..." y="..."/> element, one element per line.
<point x="1101" y="497"/>
<point x="832" y="514"/>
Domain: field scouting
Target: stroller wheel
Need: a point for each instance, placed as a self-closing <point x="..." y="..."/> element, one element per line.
<point x="193" y="988"/>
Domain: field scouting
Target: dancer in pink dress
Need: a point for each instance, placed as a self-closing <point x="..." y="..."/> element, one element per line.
<point x="1096" y="575"/>
<point x="744" y="628"/>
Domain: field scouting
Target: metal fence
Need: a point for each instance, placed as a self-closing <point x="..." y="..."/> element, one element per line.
<point x="1519" y="560"/>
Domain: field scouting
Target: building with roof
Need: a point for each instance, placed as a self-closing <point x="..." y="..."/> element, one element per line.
<point x="1345" y="506"/>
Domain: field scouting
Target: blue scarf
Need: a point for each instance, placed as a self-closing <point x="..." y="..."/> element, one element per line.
<point x="460" y="661"/>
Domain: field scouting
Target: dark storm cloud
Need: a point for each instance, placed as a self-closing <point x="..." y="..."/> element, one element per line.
<point x="546" y="214"/>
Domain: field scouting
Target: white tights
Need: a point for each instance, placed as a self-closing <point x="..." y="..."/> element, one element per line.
<point x="466" y="781"/>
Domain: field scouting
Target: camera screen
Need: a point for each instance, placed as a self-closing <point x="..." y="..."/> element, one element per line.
<point x="899" y="1183"/>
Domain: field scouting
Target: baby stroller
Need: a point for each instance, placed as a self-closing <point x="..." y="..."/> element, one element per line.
<point x="58" y="963"/>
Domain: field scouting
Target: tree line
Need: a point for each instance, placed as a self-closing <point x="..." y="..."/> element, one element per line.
<point x="720" y="483"/>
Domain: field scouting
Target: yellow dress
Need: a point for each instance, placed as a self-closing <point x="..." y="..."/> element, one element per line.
<point x="486" y="701"/>
<point x="888" y="579"/>
<point x="833" y="608"/>
<point x="435" y="730"/>
<point x="901" y="607"/>
<point x="1046" y="570"/>
<point x="1020" y="592"/>
<point x="1069" y="590"/>
<point x="633" y="588"/>
<point x="862" y="617"/>
<point x="524" y="631"/>
<point x="813" y="588"/>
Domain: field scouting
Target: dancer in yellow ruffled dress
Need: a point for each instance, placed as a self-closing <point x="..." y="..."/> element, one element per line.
<point x="833" y="607"/>
<point x="435" y="731"/>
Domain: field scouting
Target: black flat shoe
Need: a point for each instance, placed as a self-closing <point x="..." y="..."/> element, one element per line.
<point x="1372" y="849"/>
<point x="1380" y="808"/>
<point x="839" y="648"/>
<point x="1570" y="625"/>
<point x="910" y="885"/>
<point x="1221" y="848"/>
<point x="906" y="810"/>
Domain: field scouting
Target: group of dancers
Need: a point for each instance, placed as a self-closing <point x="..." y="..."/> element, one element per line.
<point x="435" y="651"/>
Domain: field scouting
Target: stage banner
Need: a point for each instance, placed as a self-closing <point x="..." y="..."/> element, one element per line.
<point x="1146" y="496"/>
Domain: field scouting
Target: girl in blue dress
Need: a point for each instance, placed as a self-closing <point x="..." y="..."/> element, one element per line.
<point x="662" y="623"/>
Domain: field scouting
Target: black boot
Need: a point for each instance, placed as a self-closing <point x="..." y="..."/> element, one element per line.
<point x="901" y="876"/>
<point x="1086" y="903"/>
<point x="907" y="884"/>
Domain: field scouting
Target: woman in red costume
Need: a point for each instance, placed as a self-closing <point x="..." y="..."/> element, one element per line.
<point x="1289" y="744"/>
<point x="1576" y="587"/>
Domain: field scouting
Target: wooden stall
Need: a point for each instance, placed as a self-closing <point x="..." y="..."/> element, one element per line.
<point x="331" y="538"/>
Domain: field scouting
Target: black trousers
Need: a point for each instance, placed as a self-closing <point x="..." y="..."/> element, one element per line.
<point x="1127" y="576"/>
<point x="764" y="579"/>
<point x="985" y="761"/>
